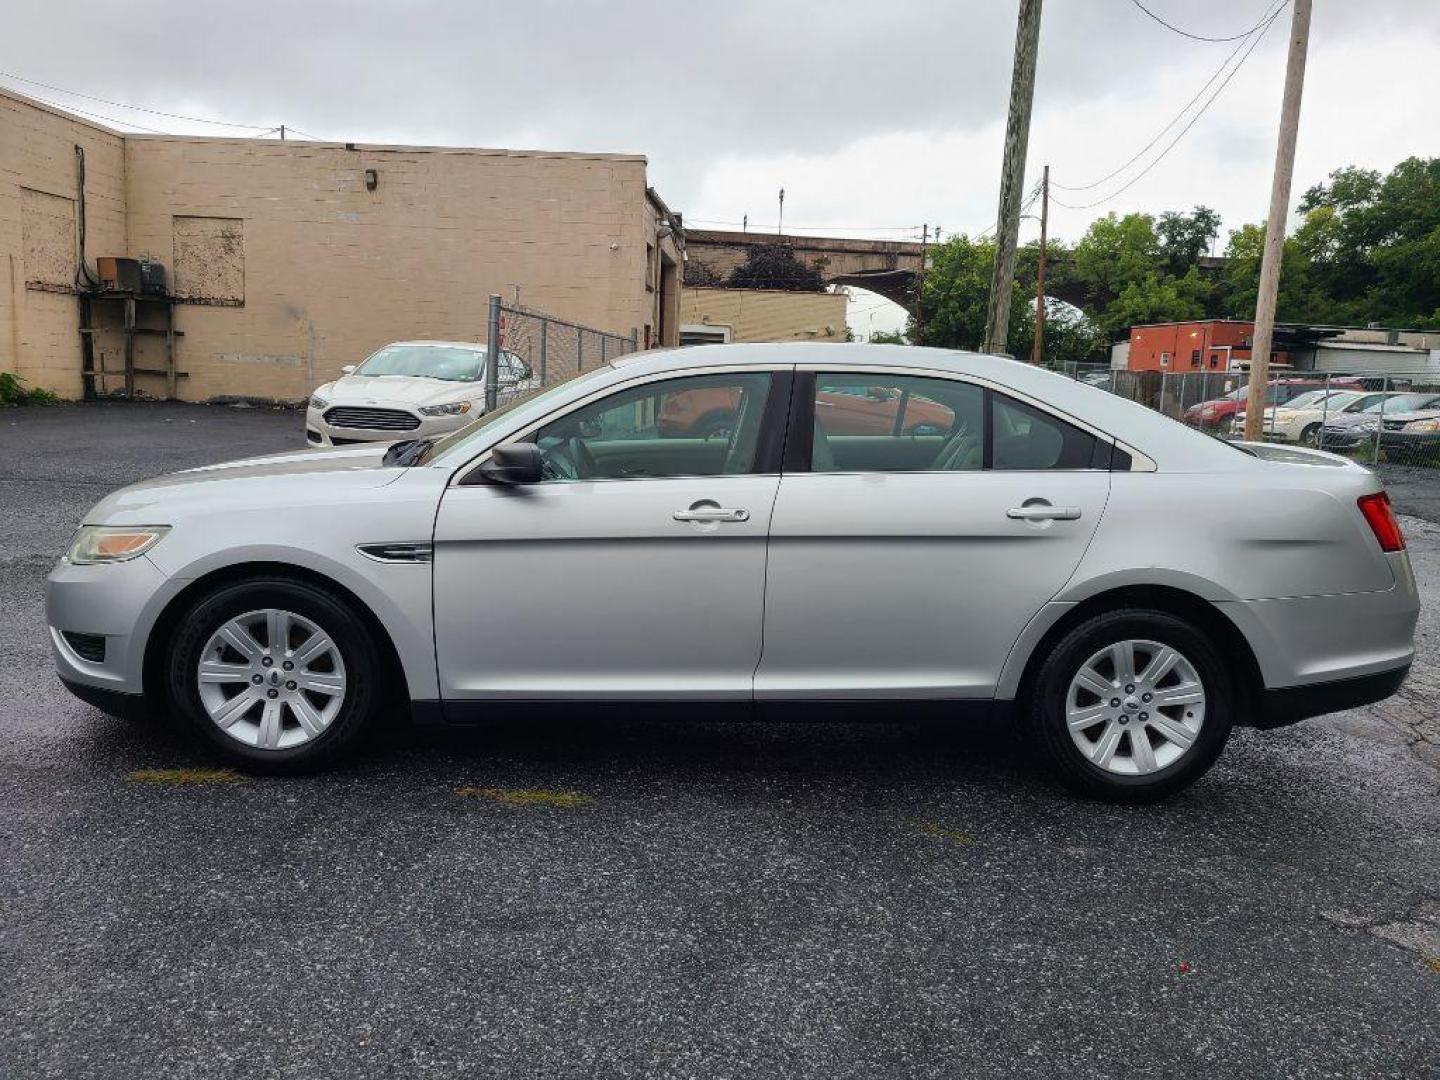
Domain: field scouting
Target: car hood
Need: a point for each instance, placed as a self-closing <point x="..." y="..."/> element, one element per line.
<point x="1353" y="419"/>
<point x="397" y="390"/>
<point x="350" y="467"/>
<point x="1418" y="414"/>
<point x="1345" y="420"/>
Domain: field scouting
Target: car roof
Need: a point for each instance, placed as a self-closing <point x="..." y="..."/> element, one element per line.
<point x="1157" y="436"/>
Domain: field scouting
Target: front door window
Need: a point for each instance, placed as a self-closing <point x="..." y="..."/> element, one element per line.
<point x="704" y="425"/>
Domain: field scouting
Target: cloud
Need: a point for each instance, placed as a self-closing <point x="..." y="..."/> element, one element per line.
<point x="868" y="112"/>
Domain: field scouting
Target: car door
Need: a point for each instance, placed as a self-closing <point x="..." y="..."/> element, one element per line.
<point x="635" y="570"/>
<point x="891" y="580"/>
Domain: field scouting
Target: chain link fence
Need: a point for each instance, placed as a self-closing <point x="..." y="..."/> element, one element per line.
<point x="1376" y="417"/>
<point x="540" y="350"/>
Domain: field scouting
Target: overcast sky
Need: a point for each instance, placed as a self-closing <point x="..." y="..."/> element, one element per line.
<point x="872" y="115"/>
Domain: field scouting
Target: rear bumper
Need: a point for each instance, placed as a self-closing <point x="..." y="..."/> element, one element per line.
<point x="1292" y="704"/>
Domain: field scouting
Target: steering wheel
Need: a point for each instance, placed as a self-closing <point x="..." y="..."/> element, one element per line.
<point x="570" y="460"/>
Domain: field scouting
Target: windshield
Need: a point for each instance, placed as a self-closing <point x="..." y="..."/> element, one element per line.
<point x="1402" y="403"/>
<point x="1310" y="397"/>
<point x="450" y="363"/>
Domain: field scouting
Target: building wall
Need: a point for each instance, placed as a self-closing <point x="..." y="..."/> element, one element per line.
<point x="1351" y="356"/>
<point x="765" y="314"/>
<point x="288" y="266"/>
<point x="1208" y="345"/>
<point x="295" y="268"/>
<point x="39" y="234"/>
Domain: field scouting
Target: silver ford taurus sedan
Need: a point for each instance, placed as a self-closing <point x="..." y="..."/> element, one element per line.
<point x="772" y="525"/>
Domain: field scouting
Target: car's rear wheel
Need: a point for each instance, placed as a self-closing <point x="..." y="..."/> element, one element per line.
<point x="276" y="674"/>
<point x="1132" y="706"/>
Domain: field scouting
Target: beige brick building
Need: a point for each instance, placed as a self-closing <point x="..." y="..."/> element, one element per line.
<point x="720" y="314"/>
<point x="290" y="259"/>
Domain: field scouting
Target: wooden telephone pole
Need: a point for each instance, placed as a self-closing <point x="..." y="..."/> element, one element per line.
<point x="1264" y="335"/>
<point x="1037" y="357"/>
<point x="1012" y="177"/>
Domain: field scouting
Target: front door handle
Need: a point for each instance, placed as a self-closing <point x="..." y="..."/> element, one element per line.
<point x="711" y="513"/>
<point x="1043" y="512"/>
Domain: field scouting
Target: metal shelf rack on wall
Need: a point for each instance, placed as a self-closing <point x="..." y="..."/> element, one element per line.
<point x="94" y="375"/>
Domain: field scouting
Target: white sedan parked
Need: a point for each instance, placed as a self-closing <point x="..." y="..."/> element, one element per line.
<point x="1300" y="419"/>
<point x="1125" y="587"/>
<point x="411" y="389"/>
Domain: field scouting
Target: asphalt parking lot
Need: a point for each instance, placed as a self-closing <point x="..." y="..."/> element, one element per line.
<point x="619" y="897"/>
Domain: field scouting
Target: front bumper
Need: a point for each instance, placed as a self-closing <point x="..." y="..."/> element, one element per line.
<point x="320" y="433"/>
<point x="1410" y="443"/>
<point x="1345" y="438"/>
<point x="116" y="601"/>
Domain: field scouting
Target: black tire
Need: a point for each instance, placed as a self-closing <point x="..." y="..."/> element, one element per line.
<point x="1311" y="435"/>
<point x="1043" y="710"/>
<point x="363" y="664"/>
<point x="1226" y="426"/>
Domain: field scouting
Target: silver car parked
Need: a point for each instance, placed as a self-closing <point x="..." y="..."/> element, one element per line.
<point x="1127" y="588"/>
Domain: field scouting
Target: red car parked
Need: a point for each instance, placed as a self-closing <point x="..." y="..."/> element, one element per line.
<point x="1220" y="413"/>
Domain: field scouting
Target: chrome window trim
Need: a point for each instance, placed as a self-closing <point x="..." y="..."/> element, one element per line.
<point x="620" y="387"/>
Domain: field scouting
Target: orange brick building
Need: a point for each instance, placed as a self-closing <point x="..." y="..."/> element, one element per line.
<point x="1207" y="345"/>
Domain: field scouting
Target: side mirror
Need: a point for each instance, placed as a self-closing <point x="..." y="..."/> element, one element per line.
<point x="348" y="369"/>
<point x="517" y="463"/>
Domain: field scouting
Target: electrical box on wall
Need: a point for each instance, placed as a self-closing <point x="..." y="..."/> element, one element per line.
<point x="130" y="275"/>
<point x="117" y="274"/>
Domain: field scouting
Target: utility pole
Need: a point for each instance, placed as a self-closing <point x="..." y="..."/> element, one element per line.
<point x="282" y="132"/>
<point x="780" y="225"/>
<point x="744" y="222"/>
<point x="920" y="286"/>
<point x="1275" y="227"/>
<point x="1012" y="177"/>
<point x="1038" y="356"/>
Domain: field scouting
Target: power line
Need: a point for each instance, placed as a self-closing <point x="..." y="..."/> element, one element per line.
<point x="1198" y="37"/>
<point x="99" y="116"/>
<point x="1174" y="120"/>
<point x="133" y="108"/>
<point x="1183" y="131"/>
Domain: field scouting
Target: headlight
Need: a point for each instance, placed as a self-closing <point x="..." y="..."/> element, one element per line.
<point x="454" y="408"/>
<point x="319" y="403"/>
<point x="1423" y="425"/>
<point x="113" y="543"/>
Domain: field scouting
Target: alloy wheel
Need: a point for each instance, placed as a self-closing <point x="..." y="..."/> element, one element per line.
<point x="1135" y="707"/>
<point x="271" y="679"/>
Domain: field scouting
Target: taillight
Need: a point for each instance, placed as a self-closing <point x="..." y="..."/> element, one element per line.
<point x="1381" y="519"/>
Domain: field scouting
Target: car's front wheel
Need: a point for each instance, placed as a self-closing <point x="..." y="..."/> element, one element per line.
<point x="276" y="674"/>
<point x="1132" y="705"/>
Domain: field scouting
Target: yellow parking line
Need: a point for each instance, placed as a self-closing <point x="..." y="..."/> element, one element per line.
<point x="567" y="800"/>
<point x="942" y="832"/>
<point x="182" y="777"/>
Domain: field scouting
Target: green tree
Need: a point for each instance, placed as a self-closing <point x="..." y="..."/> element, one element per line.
<point x="1185" y="237"/>
<point x="775" y="266"/>
<point x="956" y="295"/>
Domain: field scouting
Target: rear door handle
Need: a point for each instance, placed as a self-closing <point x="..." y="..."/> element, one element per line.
<point x="1044" y="512"/>
<point x="711" y="513"/>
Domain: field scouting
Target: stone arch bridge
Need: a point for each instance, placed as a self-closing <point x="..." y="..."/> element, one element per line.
<point x="887" y="267"/>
